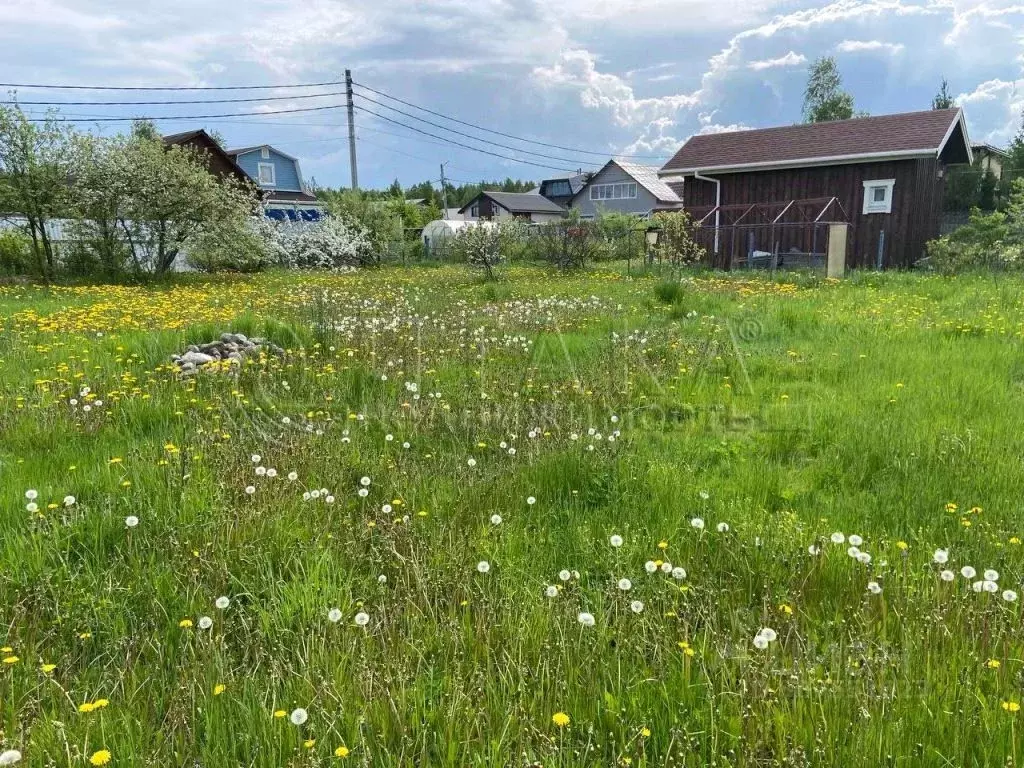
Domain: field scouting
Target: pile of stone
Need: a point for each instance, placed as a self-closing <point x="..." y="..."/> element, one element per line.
<point x="234" y="347"/>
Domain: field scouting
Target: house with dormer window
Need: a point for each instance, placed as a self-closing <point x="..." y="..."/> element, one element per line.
<point x="279" y="177"/>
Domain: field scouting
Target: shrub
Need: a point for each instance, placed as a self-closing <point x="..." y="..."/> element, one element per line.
<point x="330" y="243"/>
<point x="567" y="244"/>
<point x="676" y="243"/>
<point x="621" y="236"/>
<point x="239" y="248"/>
<point x="15" y="252"/>
<point x="484" y="245"/>
<point x="987" y="241"/>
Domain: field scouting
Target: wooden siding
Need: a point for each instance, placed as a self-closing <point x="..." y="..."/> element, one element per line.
<point x="916" y="204"/>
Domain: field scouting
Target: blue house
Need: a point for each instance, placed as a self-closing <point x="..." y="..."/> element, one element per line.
<point x="279" y="177"/>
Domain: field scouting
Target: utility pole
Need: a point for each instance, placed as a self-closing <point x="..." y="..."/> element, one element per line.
<point x="351" y="129"/>
<point x="444" y="195"/>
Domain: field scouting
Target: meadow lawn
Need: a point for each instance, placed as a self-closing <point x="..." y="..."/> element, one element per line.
<point x="436" y="517"/>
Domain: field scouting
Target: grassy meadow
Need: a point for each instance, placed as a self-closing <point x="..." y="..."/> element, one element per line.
<point x="558" y="521"/>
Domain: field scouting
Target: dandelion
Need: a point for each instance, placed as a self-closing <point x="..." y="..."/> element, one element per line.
<point x="615" y="540"/>
<point x="334" y="615"/>
<point x="768" y="633"/>
<point x="863" y="558"/>
<point x="250" y="489"/>
<point x="1009" y="596"/>
<point x="837" y="538"/>
<point x="45" y="669"/>
<point x="551" y="591"/>
<point x="69" y="501"/>
<point x="666" y="568"/>
<point x="531" y="500"/>
<point x="723" y="527"/>
<point x="131" y="521"/>
<point x="852" y="551"/>
<point x="990" y="586"/>
<point x="978" y="586"/>
<point x="362" y="619"/>
<point x="219" y="688"/>
<point x="625" y="585"/>
<point x="185" y="623"/>
<point x="564" y="575"/>
<point x="483" y="567"/>
<point x="10" y="757"/>
<point x="341" y="751"/>
<point x="636" y="606"/>
<point x="31" y="494"/>
<point x="271" y="472"/>
<point x="364" y="481"/>
<point x="992" y="663"/>
<point x="968" y="572"/>
<point x="102" y="757"/>
<point x="902" y="546"/>
<point x="941" y="556"/>
<point x="10" y="660"/>
<point x="991" y="575"/>
<point x="560" y="719"/>
<point x="586" y="619"/>
<point x="363" y="493"/>
<point x="309" y="743"/>
<point x="471" y="462"/>
<point x="299" y="716"/>
<point x="650" y="566"/>
<point x="1011" y="706"/>
<point x="760" y="642"/>
<point x="697" y="523"/>
<point x="874" y="588"/>
<point x="814" y="550"/>
<point x="678" y="573"/>
<point x="495" y="519"/>
<point x="704" y="495"/>
<point x="279" y="713"/>
<point x="222" y="602"/>
<point x="947" y="575"/>
<point x="382" y="579"/>
<point x="855" y="540"/>
<point x="205" y="622"/>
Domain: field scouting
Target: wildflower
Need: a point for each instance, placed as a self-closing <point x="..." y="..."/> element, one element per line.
<point x="100" y="703"/>
<point x="86" y="707"/>
<point x="362" y="619"/>
<point x="10" y="757"/>
<point x="471" y="462"/>
<point x="102" y="757"/>
<point x="625" y="585"/>
<point x="636" y="606"/>
<point x="1009" y="596"/>
<point x="334" y="615"/>
<point x="341" y="751"/>
<point x="704" y="495"/>
<point x="645" y="732"/>
<point x="615" y="540"/>
<point x="666" y="567"/>
<point x="11" y="660"/>
<point x="685" y="646"/>
<point x="271" y="472"/>
<point x="222" y="602"/>
<point x="941" y="556"/>
<point x="1011" y="706"/>
<point x="293" y="476"/>
<point x="551" y="591"/>
<point x="947" y="576"/>
<point x="131" y="521"/>
<point x="855" y="540"/>
<point x="250" y="489"/>
<point x="309" y="743"/>
<point x="205" y="622"/>
<point x="768" y="633"/>
<point x="46" y="669"/>
<point x="261" y="471"/>
<point x="990" y="586"/>
<point x="722" y="527"/>
<point x="992" y="663"/>
<point x="991" y="575"/>
<point x="219" y="688"/>
<point x="697" y="523"/>
<point x="560" y="719"/>
<point x="586" y="619"/>
<point x="968" y="572"/>
<point x="185" y="623"/>
<point x="299" y="716"/>
<point x="279" y="713"/>
<point x="531" y="500"/>
<point x="256" y="458"/>
<point x="852" y="551"/>
<point x="874" y="588"/>
<point x="678" y="573"/>
<point x="31" y="494"/>
<point x="760" y="642"/>
<point x="1015" y="540"/>
<point x="495" y="519"/>
<point x="863" y="558"/>
<point x="483" y="566"/>
<point x="650" y="566"/>
<point x="786" y="609"/>
<point x="363" y="493"/>
<point x="814" y="550"/>
<point x="564" y="575"/>
<point x="902" y="546"/>
<point x="837" y="538"/>
<point x="69" y="501"/>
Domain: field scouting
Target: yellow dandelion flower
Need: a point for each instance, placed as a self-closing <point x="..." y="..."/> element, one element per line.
<point x="84" y="635"/>
<point x="341" y="751"/>
<point x="308" y="743"/>
<point x="279" y="713"/>
<point x="102" y="757"/>
<point x="645" y="732"/>
<point x="11" y="659"/>
<point x="560" y="719"/>
<point x="902" y="546"/>
<point x="185" y="623"/>
<point x="6" y="649"/>
<point x="662" y="545"/>
<point x="219" y="688"/>
<point x="992" y="663"/>
<point x="100" y="703"/>
<point x="786" y="609"/>
<point x="1011" y="706"/>
<point x="1015" y="540"/>
<point x="48" y="668"/>
<point x="86" y="706"/>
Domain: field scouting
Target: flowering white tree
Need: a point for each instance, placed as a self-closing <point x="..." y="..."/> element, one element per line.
<point x="326" y="244"/>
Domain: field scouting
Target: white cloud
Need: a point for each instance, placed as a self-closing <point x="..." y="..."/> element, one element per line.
<point x="998" y="106"/>
<point x="791" y="59"/>
<point x="861" y="46"/>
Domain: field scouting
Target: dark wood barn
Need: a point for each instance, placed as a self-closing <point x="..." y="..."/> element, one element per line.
<point x="219" y="163"/>
<point x="774" y="189"/>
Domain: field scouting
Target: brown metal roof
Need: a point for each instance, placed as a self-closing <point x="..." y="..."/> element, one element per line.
<point x="908" y="133"/>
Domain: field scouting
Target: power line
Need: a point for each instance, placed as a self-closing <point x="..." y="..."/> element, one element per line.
<point x="464" y="146"/>
<point x="189" y="117"/>
<point x="477" y="138"/>
<point x="167" y="87"/>
<point x="499" y="133"/>
<point x="160" y="103"/>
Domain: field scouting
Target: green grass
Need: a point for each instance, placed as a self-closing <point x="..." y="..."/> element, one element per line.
<point x="788" y="409"/>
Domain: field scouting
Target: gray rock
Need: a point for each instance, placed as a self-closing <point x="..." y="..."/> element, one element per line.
<point x="196" y="357"/>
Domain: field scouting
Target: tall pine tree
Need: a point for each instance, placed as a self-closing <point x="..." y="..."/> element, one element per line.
<point x="824" y="98"/>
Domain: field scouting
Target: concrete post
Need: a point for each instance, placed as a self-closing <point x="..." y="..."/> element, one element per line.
<point x="836" y="266"/>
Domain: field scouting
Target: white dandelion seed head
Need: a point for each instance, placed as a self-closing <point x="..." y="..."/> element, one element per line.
<point x="382" y="579"/>
<point x="637" y="606"/>
<point x="586" y="619"/>
<point x="855" y="540"/>
<point x="722" y="527"/>
<point x="205" y="622"/>
<point x="978" y="586"/>
<point x="334" y="615"/>
<point x="222" y="602"/>
<point x="298" y="716"/>
<point x="874" y="588"/>
<point x="250" y="489"/>
<point x="650" y="566"/>
<point x="329" y="499"/>
<point x="814" y="550"/>
<point x="306" y="496"/>
<point x="760" y="642"/>
<point x="531" y="500"/>
<point x="941" y="556"/>
<point x="293" y="476"/>
<point x="406" y="445"/>
<point x="386" y="509"/>
<point x="990" y="586"/>
<point x="852" y="551"/>
<point x="863" y="558"/>
<point x="286" y="420"/>
<point x="31" y="494"/>
<point x="564" y="575"/>
<point x="388" y="438"/>
<point x="131" y="521"/>
<point x="364" y="481"/>
<point x="947" y="575"/>
<point x="315" y="493"/>
<point x="256" y="458"/>
<point x="495" y="519"/>
<point x="362" y="619"/>
<point x="615" y="540"/>
<point x="551" y="591"/>
<point x="705" y="495"/>
<point x="991" y="575"/>
<point x="483" y="567"/>
<point x="625" y="585"/>
<point x="697" y="523"/>
<point x="10" y="757"/>
<point x="1009" y="596"/>
<point x="666" y="567"/>
<point x="271" y="472"/>
<point x="968" y="572"/>
<point x="837" y="538"/>
<point x="32" y="507"/>
<point x="363" y="493"/>
<point x="261" y="471"/>
<point x="69" y="501"/>
<point x="678" y="573"/>
<point x="471" y="462"/>
<point x="768" y="634"/>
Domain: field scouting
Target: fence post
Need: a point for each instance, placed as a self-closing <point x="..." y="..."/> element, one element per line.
<point x="836" y="264"/>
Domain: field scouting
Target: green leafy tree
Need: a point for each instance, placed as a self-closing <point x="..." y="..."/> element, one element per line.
<point x="1014" y="166"/>
<point x="824" y="98"/>
<point x="943" y="99"/>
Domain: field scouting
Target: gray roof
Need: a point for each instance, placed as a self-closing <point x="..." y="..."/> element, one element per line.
<point x="521" y="202"/>
<point x="647" y="177"/>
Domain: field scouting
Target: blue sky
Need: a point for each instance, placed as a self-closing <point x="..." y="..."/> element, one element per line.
<point x="608" y="77"/>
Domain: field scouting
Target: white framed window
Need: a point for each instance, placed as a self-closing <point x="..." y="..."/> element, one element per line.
<point x="623" y="191"/>
<point x="878" y="195"/>
<point x="265" y="153"/>
<point x="266" y="174"/>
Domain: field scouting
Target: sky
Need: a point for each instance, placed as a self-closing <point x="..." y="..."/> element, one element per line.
<point x="596" y="78"/>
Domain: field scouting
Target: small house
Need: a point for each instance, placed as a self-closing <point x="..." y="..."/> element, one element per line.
<point x="526" y="206"/>
<point x="884" y="176"/>
<point x="625" y="188"/>
<point x="279" y="177"/>
<point x="563" y="189"/>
